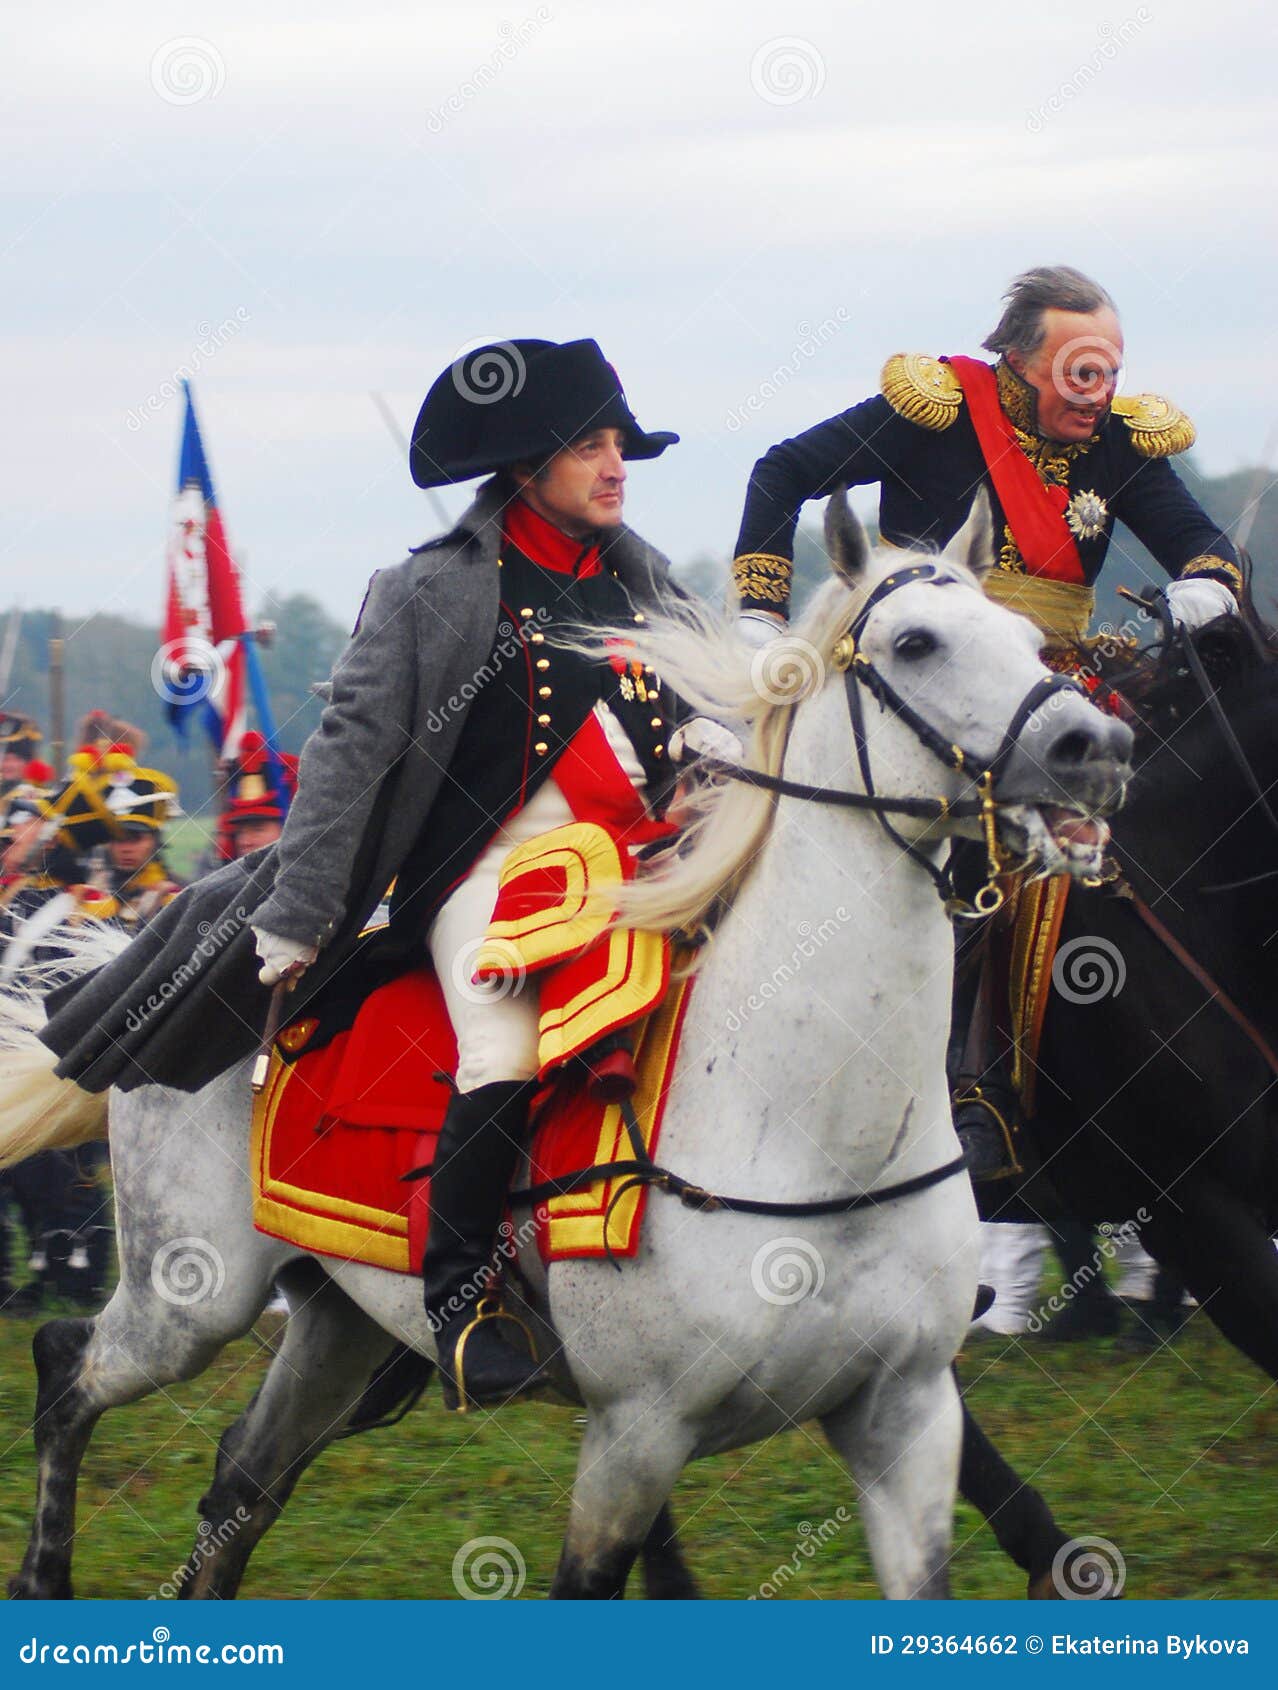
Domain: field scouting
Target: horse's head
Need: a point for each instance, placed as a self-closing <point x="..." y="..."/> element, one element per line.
<point x="964" y="698"/>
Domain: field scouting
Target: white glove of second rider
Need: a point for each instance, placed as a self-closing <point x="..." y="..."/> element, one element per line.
<point x="703" y="737"/>
<point x="281" y="958"/>
<point x="760" y="627"/>
<point x="1194" y="603"/>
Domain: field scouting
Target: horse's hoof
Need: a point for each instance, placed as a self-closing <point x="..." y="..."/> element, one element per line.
<point x="22" y="1589"/>
<point x="1089" y="1569"/>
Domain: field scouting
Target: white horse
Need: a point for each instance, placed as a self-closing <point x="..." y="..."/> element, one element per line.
<point x="813" y="1069"/>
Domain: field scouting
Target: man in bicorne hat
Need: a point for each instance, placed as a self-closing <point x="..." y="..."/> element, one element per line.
<point x="542" y="548"/>
<point x="1061" y="456"/>
<point x="451" y="715"/>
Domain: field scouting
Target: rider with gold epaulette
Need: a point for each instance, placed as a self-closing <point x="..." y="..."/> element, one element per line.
<point x="1062" y="457"/>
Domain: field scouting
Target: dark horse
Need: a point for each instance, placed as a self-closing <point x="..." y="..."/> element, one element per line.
<point x="1156" y="1085"/>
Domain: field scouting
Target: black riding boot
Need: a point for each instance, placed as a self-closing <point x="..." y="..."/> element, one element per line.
<point x="986" y="1109"/>
<point x="479" y="1146"/>
<point x="986" y="1120"/>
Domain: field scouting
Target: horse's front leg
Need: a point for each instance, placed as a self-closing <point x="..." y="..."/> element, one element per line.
<point x="630" y="1458"/>
<point x="900" y="1437"/>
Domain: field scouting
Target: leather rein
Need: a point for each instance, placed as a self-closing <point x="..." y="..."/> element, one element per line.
<point x="1157" y="604"/>
<point x="641" y="1170"/>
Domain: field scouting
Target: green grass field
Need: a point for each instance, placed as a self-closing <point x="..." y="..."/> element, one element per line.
<point x="1173" y="1457"/>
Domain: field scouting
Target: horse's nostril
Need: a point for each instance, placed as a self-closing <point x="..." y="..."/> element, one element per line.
<point x="1073" y="748"/>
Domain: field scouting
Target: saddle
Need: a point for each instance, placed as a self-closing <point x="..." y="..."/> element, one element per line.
<point x="355" y="1092"/>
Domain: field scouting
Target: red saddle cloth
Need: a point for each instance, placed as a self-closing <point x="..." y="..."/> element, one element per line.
<point x="335" y="1130"/>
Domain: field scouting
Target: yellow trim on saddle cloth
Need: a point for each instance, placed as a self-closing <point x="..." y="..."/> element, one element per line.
<point x="614" y="984"/>
<point x="1062" y="610"/>
<point x="575" y="1222"/>
<point x="332" y="1225"/>
<point x="547" y="920"/>
<point x="1040" y="910"/>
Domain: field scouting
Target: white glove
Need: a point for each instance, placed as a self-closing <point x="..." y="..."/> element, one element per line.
<point x="1194" y="603"/>
<point x="281" y="958"/>
<point x="702" y="737"/>
<point x="760" y="627"/>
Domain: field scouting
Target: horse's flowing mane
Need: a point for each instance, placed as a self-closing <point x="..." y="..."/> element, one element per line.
<point x="698" y="654"/>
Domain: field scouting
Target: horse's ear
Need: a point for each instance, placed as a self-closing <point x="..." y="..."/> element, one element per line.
<point x="845" y="538"/>
<point x="973" y="545"/>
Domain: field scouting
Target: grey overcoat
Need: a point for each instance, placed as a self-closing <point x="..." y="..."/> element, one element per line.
<point x="183" y="1002"/>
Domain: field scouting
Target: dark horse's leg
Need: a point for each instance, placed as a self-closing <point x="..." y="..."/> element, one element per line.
<point x="1015" y="1512"/>
<point x="1222" y="1250"/>
<point x="666" y="1577"/>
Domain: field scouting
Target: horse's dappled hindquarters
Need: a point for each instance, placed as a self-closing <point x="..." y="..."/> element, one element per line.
<point x="727" y="1326"/>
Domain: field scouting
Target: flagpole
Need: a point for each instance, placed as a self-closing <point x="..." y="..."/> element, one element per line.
<point x="397" y="435"/>
<point x="13" y="627"/>
<point x="57" y="694"/>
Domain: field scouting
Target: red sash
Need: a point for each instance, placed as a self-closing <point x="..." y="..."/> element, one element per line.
<point x="1035" y="512"/>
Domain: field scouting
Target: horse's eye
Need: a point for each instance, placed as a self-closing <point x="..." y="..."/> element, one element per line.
<point x="915" y="644"/>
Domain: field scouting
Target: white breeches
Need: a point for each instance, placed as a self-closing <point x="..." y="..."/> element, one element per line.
<point x="1012" y="1262"/>
<point x="496" y="1023"/>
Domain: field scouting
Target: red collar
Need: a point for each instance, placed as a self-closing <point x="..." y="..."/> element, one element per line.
<point x="547" y="545"/>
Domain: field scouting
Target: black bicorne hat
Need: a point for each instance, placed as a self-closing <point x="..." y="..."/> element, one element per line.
<point x="517" y="400"/>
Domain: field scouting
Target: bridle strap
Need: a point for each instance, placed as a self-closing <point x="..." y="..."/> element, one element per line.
<point x="1189" y="962"/>
<point x="853" y="681"/>
<point x="922" y="809"/>
<point x="1034" y="699"/>
<point x="641" y="1171"/>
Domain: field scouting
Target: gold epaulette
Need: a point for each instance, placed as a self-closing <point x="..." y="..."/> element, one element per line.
<point x="1158" y="428"/>
<point x="921" y="389"/>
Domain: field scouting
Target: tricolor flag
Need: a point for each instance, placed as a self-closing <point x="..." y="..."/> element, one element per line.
<point x="202" y="655"/>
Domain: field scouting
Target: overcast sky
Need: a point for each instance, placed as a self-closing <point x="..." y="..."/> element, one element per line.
<point x="749" y="205"/>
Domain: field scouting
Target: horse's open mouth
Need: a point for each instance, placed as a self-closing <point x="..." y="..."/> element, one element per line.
<point x="1055" y="838"/>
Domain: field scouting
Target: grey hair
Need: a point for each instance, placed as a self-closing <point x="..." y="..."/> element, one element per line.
<point x="1048" y="287"/>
